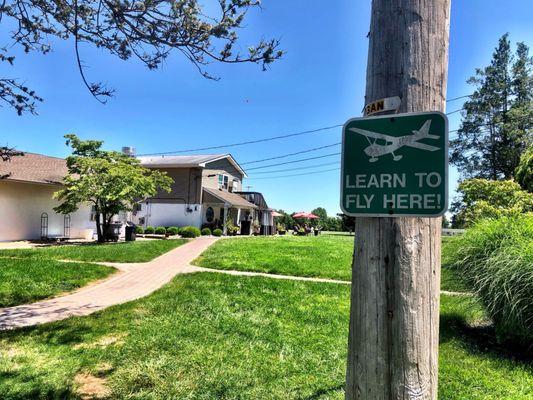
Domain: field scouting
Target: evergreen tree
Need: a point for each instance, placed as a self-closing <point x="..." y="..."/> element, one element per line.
<point x="497" y="119"/>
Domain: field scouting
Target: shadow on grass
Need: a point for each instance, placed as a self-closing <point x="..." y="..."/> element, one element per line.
<point x="481" y="339"/>
<point x="59" y="333"/>
<point x="323" y="392"/>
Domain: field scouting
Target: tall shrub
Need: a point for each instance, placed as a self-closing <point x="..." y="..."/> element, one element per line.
<point x="495" y="257"/>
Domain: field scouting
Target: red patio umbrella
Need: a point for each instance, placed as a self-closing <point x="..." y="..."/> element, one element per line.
<point x="276" y="214"/>
<point x="304" y="214"/>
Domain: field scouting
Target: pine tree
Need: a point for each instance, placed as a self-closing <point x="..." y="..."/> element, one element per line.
<point x="497" y="119"/>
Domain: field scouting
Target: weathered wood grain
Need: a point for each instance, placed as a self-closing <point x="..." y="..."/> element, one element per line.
<point x="394" y="317"/>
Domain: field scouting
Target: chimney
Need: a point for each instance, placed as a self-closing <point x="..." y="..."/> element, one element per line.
<point x="129" y="151"/>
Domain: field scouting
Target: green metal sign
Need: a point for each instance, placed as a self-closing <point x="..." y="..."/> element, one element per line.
<point x="395" y="165"/>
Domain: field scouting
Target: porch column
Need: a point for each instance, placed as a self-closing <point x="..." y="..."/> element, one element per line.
<point x="239" y="218"/>
<point x="225" y="226"/>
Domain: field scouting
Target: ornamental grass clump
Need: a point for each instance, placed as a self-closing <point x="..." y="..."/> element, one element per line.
<point x="495" y="258"/>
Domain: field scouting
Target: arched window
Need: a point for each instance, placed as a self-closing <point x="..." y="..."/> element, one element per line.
<point x="44" y="225"/>
<point x="66" y="225"/>
<point x="209" y="214"/>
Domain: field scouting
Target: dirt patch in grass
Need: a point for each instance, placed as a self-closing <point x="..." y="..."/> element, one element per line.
<point x="104" y="341"/>
<point x="91" y="387"/>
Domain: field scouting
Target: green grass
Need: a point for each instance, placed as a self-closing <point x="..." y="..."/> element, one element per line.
<point x="139" y="251"/>
<point x="28" y="275"/>
<point x="325" y="256"/>
<point x="211" y="336"/>
<point x="28" y="280"/>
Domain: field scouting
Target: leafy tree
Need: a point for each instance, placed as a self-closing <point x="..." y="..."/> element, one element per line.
<point x="322" y="215"/>
<point x="498" y="118"/>
<point x="445" y="223"/>
<point x="524" y="172"/>
<point x="143" y="29"/>
<point x="285" y="219"/>
<point x="6" y="154"/>
<point x="333" y="224"/>
<point x="482" y="198"/>
<point x="347" y="223"/>
<point x="108" y="180"/>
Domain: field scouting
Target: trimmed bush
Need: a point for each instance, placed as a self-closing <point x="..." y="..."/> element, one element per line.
<point x="139" y="230"/>
<point x="149" y="230"/>
<point x="217" y="232"/>
<point x="190" y="232"/>
<point x="160" y="230"/>
<point x="206" y="232"/>
<point x="495" y="258"/>
<point x="173" y="230"/>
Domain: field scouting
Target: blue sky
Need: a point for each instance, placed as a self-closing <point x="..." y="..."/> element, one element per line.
<point x="319" y="82"/>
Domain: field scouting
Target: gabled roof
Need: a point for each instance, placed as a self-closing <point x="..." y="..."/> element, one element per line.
<point x="35" y="168"/>
<point x="197" y="160"/>
<point x="226" y="197"/>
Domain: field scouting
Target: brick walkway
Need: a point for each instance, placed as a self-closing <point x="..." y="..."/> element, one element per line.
<point x="136" y="280"/>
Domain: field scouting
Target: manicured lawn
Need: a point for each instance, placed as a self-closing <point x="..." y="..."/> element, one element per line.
<point x="28" y="275"/>
<point x="325" y="256"/>
<point x="27" y="280"/>
<point x="213" y="336"/>
<point x="139" y="251"/>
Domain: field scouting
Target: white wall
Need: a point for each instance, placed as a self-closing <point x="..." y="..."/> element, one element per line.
<point x="21" y="206"/>
<point x="169" y="214"/>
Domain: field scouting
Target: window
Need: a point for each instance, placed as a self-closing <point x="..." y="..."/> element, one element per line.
<point x="223" y="181"/>
<point x="209" y="214"/>
<point x="235" y="186"/>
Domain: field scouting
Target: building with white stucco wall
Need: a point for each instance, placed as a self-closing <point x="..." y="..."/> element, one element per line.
<point x="26" y="200"/>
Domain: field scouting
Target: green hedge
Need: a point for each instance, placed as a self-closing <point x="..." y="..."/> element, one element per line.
<point x="139" y="230"/>
<point x="189" y="232"/>
<point x="495" y="258"/>
<point x="206" y="232"/>
<point x="160" y="230"/>
<point x="173" y="230"/>
<point x="217" y="232"/>
<point x="149" y="230"/>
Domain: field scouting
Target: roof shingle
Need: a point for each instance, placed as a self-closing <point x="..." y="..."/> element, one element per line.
<point x="35" y="168"/>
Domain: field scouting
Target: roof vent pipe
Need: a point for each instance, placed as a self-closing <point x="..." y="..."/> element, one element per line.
<point x="129" y="151"/>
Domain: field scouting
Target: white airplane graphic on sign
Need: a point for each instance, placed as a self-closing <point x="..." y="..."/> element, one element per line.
<point x="392" y="143"/>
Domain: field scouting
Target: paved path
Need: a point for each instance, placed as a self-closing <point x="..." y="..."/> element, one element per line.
<point x="298" y="278"/>
<point x="135" y="281"/>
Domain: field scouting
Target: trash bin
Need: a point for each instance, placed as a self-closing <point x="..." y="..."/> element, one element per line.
<point x="113" y="232"/>
<point x="130" y="233"/>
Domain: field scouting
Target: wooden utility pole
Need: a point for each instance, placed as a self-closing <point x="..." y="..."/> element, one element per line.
<point x="394" y="317"/>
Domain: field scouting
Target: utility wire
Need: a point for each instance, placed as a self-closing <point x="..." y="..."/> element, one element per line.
<point x="453" y="112"/>
<point x="267" y="139"/>
<point x="288" y="176"/>
<point x="247" y="142"/>
<point x="294" y="161"/>
<point x="460" y="97"/>
<point x="292" y="154"/>
<point x="298" y="168"/>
